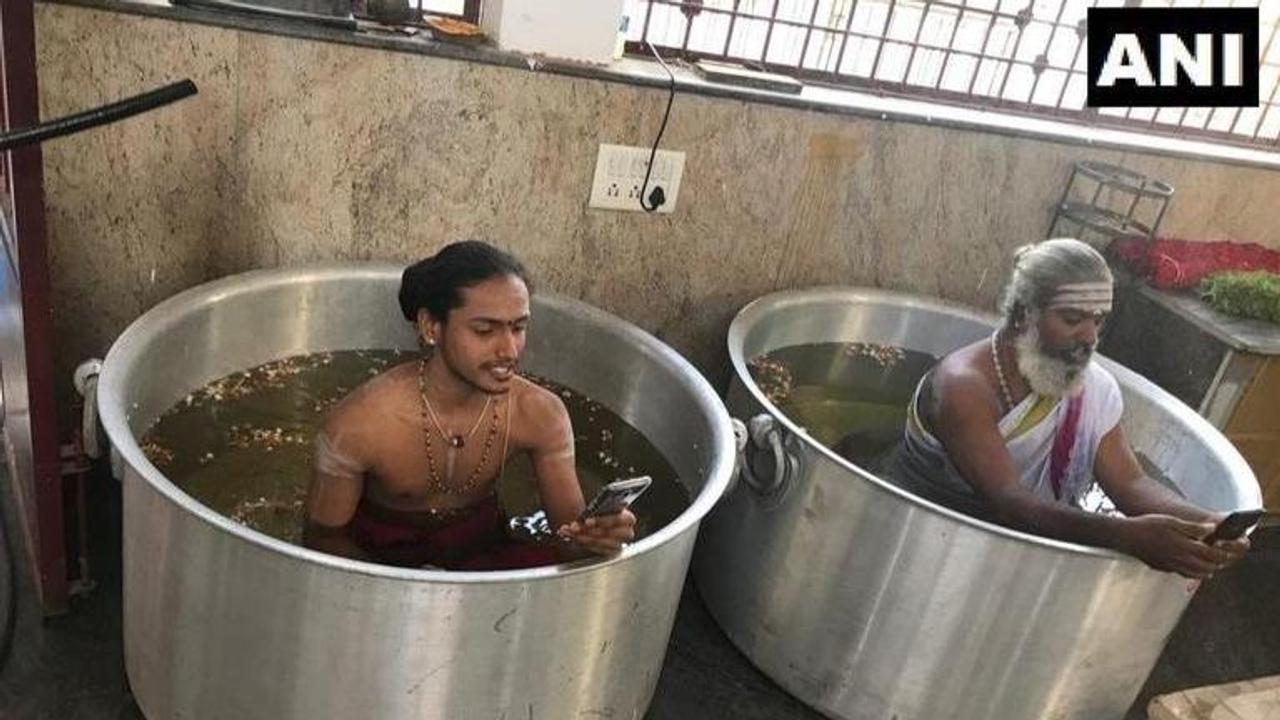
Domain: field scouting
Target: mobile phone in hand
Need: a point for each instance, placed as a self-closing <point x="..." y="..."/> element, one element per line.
<point x="616" y="497"/>
<point x="1234" y="525"/>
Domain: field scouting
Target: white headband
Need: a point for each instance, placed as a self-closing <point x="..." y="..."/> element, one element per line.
<point x="1090" y="297"/>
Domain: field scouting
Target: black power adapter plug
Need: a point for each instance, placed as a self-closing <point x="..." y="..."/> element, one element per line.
<point x="657" y="198"/>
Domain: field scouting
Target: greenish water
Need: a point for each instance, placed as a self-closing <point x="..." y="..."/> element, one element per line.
<point x="851" y="397"/>
<point x="243" y="444"/>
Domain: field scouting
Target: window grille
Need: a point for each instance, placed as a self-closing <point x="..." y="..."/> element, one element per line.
<point x="1022" y="56"/>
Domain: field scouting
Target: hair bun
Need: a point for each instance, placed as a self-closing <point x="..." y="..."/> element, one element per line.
<point x="435" y="283"/>
<point x="412" y="280"/>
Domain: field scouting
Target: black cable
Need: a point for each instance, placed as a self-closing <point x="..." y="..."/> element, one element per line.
<point x="98" y="116"/>
<point x="659" y="197"/>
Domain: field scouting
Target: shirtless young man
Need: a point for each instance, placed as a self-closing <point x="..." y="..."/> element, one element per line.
<point x="1015" y="428"/>
<point x="407" y="464"/>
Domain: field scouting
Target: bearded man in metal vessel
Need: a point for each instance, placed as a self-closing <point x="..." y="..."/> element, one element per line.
<point x="1015" y="428"/>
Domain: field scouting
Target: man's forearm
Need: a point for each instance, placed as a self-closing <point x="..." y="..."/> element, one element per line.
<point x="1146" y="496"/>
<point x="335" y="541"/>
<point x="1020" y="509"/>
<point x="571" y="552"/>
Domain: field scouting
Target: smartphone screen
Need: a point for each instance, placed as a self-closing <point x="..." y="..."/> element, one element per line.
<point x="616" y="496"/>
<point x="1235" y="525"/>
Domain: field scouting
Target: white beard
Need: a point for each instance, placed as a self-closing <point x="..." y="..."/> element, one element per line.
<point x="1046" y="374"/>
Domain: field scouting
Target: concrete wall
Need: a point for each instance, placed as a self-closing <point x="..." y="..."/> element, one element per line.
<point x="297" y="151"/>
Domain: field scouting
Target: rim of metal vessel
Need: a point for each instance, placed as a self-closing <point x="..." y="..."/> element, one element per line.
<point x="128" y="347"/>
<point x="754" y="311"/>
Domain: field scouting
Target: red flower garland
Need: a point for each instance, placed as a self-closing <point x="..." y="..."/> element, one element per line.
<point x="1168" y="263"/>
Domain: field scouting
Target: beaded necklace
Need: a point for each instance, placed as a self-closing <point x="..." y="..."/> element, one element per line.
<point x="452" y="443"/>
<point x="1004" y="384"/>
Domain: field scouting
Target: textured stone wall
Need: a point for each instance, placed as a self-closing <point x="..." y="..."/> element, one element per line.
<point x="297" y="151"/>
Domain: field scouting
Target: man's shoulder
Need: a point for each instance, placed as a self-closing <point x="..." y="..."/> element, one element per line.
<point x="962" y="387"/>
<point x="535" y="401"/>
<point x="961" y="369"/>
<point x="374" y="397"/>
<point x="541" y="420"/>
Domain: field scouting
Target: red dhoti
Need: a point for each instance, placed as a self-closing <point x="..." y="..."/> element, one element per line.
<point x="475" y="538"/>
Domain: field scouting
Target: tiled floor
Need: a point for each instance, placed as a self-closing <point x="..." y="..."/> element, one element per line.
<point x="71" y="668"/>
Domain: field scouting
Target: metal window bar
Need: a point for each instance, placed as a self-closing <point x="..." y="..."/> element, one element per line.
<point x="999" y="22"/>
<point x="946" y="53"/>
<point x="1075" y="60"/>
<point x="844" y="38"/>
<point x="1273" y="106"/>
<point x="1039" y="67"/>
<point x="728" y="36"/>
<point x="808" y="35"/>
<point x="986" y="41"/>
<point x="1266" y="50"/>
<point x="1024" y="19"/>
<point x="915" y="43"/>
<point x="768" y="36"/>
<point x="884" y="33"/>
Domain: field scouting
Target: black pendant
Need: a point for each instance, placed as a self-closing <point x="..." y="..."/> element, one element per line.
<point x="457" y="441"/>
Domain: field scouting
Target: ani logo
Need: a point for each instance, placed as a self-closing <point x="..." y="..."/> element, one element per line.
<point x="1173" y="57"/>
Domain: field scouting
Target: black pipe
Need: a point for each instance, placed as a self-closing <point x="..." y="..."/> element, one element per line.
<point x="344" y="22"/>
<point x="98" y="116"/>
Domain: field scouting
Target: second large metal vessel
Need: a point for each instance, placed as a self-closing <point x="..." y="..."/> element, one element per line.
<point x="869" y="603"/>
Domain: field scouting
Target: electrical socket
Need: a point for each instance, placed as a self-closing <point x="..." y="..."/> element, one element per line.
<point x="620" y="172"/>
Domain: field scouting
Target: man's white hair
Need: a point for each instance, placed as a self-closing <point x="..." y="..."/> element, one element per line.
<point x="1039" y="269"/>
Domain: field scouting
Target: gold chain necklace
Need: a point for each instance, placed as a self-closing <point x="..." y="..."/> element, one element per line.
<point x="428" y="415"/>
<point x="457" y="441"/>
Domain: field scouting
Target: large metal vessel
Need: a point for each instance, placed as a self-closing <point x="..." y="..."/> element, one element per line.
<point x="870" y="603"/>
<point x="224" y="622"/>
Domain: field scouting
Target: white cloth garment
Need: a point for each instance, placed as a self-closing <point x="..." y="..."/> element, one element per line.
<point x="924" y="468"/>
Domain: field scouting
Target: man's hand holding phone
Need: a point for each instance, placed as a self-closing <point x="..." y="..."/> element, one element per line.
<point x="1195" y="550"/>
<point x="603" y="534"/>
<point x="1230" y="533"/>
<point x="607" y="523"/>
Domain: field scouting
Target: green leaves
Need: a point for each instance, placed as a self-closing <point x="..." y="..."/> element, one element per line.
<point x="1253" y="294"/>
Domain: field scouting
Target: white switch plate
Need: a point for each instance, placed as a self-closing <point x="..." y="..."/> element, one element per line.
<point x="620" y="173"/>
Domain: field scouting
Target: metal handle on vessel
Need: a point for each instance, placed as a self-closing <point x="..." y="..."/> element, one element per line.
<point x="86" y="383"/>
<point x="739" y="457"/>
<point x="763" y="431"/>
